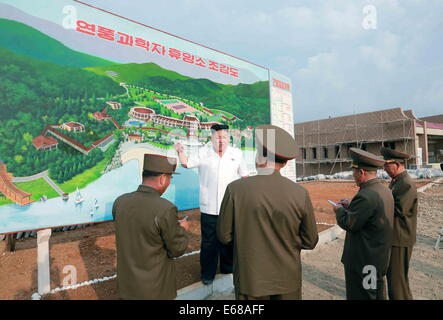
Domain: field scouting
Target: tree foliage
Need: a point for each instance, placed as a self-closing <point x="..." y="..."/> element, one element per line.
<point x="33" y="94"/>
<point x="249" y="102"/>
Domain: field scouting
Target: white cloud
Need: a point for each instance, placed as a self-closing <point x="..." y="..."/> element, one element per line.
<point x="343" y="23"/>
<point x="299" y="17"/>
<point x="429" y="95"/>
<point x="323" y="69"/>
<point x="384" y="53"/>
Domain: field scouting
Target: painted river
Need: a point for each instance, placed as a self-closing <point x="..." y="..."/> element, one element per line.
<point x="98" y="198"/>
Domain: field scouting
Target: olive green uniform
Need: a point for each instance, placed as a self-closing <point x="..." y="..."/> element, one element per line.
<point x="405" y="228"/>
<point x="368" y="223"/>
<point x="270" y="219"/>
<point x="148" y="237"/>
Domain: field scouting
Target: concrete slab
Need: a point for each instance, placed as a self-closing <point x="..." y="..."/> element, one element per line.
<point x="223" y="284"/>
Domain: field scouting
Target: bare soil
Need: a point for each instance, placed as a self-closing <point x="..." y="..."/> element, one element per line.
<point x="323" y="275"/>
<point x="92" y="252"/>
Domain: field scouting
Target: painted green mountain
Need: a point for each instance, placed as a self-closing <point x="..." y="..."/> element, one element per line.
<point x="22" y="39"/>
<point x="32" y="85"/>
<point x="35" y="93"/>
<point x="249" y="102"/>
<point x="133" y="72"/>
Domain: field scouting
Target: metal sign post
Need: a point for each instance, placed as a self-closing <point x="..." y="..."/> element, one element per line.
<point x="43" y="265"/>
<point x="10" y="242"/>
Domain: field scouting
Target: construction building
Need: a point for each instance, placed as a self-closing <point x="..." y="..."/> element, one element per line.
<point x="323" y="145"/>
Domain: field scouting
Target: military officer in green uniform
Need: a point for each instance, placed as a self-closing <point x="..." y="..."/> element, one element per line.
<point x="148" y="235"/>
<point x="269" y="219"/>
<point x="368" y="221"/>
<point x="405" y="223"/>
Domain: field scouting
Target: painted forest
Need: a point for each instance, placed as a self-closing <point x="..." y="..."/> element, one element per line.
<point x="34" y="94"/>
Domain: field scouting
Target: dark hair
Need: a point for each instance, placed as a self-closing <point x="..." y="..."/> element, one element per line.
<point x="148" y="174"/>
<point x="218" y="127"/>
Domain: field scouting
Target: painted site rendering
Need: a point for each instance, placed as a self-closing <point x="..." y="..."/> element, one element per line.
<point x="86" y="94"/>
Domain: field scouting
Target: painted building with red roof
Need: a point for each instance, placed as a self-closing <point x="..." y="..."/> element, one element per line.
<point x="103" y="115"/>
<point x="189" y="121"/>
<point x="191" y="118"/>
<point x="10" y="190"/>
<point x="141" y="113"/>
<point x="45" y="143"/>
<point x="114" y="105"/>
<point x="135" y="137"/>
<point x="73" y="126"/>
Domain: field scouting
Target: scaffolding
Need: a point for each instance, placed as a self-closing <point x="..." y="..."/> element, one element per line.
<point x="381" y="128"/>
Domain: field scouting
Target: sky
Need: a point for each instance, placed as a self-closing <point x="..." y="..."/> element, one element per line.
<point x="342" y="56"/>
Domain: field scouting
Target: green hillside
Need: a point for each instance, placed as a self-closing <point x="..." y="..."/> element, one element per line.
<point x="26" y="84"/>
<point x="28" y="41"/>
<point x="249" y="102"/>
<point x="35" y="93"/>
<point x="133" y="72"/>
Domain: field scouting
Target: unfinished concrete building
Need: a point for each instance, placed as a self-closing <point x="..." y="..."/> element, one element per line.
<point x="323" y="145"/>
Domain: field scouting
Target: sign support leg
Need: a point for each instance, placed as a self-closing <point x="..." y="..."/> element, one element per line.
<point x="43" y="264"/>
<point x="10" y="242"/>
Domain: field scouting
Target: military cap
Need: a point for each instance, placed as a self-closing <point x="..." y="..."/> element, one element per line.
<point x="159" y="164"/>
<point x="391" y="155"/>
<point x="365" y="160"/>
<point x="276" y="141"/>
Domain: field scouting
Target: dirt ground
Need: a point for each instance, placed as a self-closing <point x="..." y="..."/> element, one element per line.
<point x="91" y="251"/>
<point x="323" y="276"/>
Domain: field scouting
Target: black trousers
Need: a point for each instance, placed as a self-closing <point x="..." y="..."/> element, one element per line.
<point x="356" y="291"/>
<point x="212" y="249"/>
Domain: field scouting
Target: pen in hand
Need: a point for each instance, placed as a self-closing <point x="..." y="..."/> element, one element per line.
<point x="184" y="223"/>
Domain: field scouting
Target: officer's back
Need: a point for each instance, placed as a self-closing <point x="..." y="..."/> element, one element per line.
<point x="269" y="219"/>
<point x="368" y="241"/>
<point x="368" y="221"/>
<point x="148" y="236"/>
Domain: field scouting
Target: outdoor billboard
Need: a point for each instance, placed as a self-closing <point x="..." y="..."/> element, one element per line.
<point x="86" y="93"/>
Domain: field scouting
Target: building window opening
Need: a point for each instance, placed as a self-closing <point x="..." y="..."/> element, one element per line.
<point x="325" y="153"/>
<point x="389" y="144"/>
